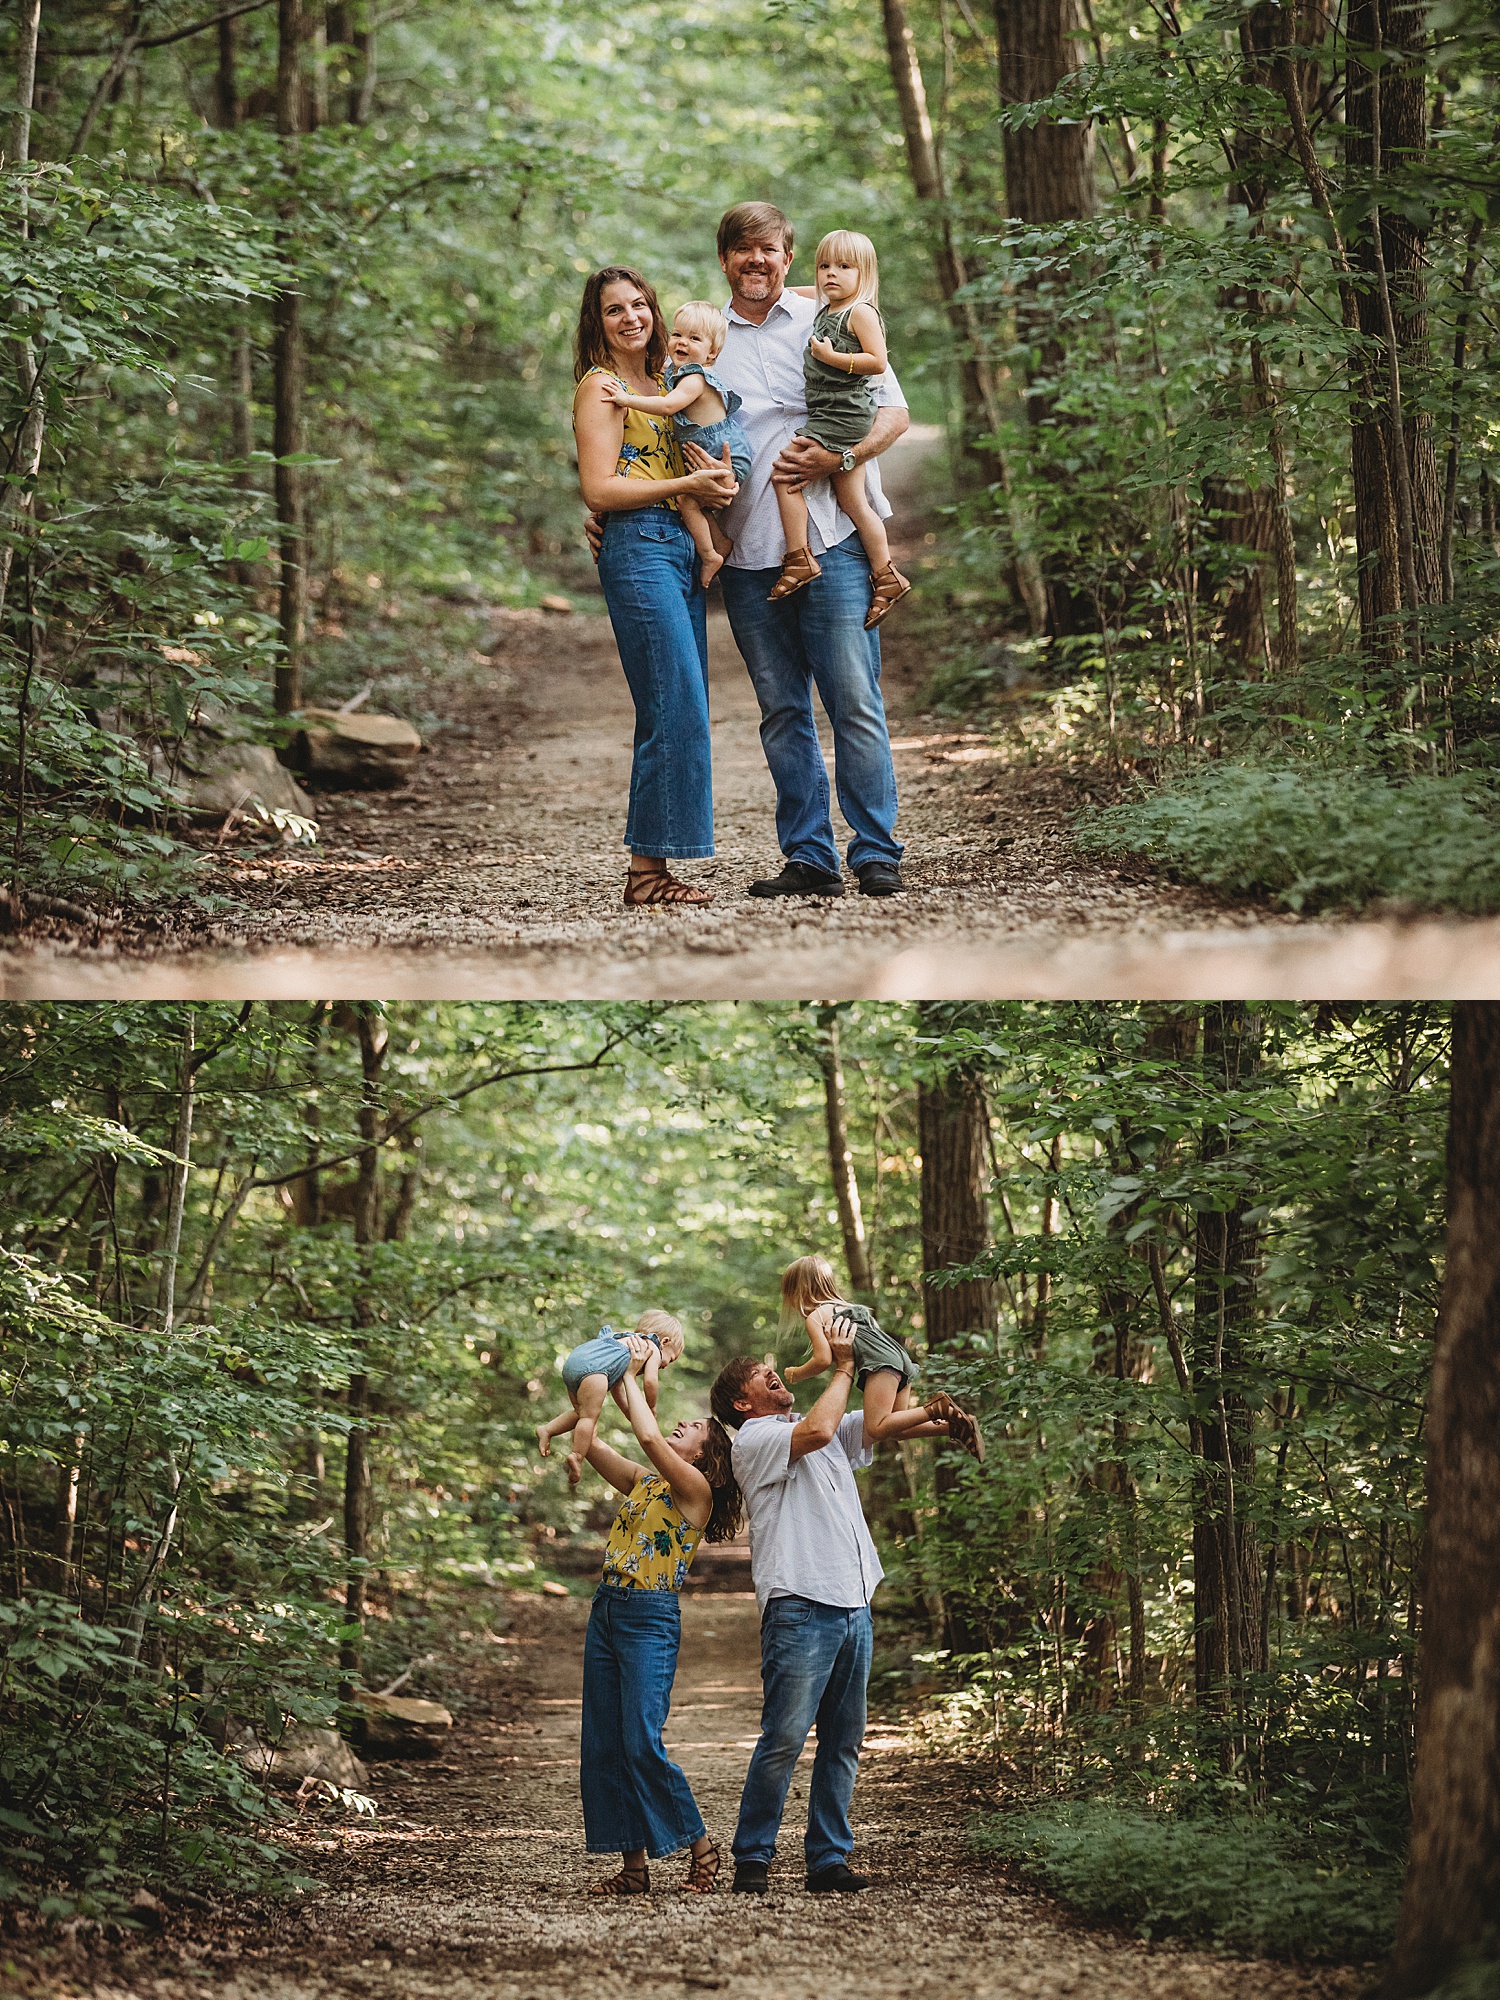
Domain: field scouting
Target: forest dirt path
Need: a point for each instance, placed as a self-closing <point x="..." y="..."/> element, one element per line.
<point x="472" y="1884"/>
<point x="497" y="874"/>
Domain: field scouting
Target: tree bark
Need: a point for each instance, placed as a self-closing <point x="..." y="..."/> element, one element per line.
<point x="358" y="1510"/>
<point x="1397" y="489"/>
<point x="18" y="498"/>
<point x="1226" y="1562"/>
<point x="289" y="367"/>
<point x="840" y="1159"/>
<point x="1452" y="1895"/>
<point x="952" y="1125"/>
<point x="1049" y="178"/>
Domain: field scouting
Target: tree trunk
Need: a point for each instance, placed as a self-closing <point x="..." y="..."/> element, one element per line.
<point x="1049" y="178"/>
<point x="1226" y="1562"/>
<point x="357" y="1491"/>
<point x="290" y="363"/>
<point x="840" y="1159"/>
<point x="952" y="1126"/>
<point x="1397" y="490"/>
<point x="18" y="498"/>
<point x="1452" y="1896"/>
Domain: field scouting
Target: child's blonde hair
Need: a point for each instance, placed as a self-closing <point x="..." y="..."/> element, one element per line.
<point x="847" y="246"/>
<point x="702" y="316"/>
<point x="807" y="1283"/>
<point x="664" y="1330"/>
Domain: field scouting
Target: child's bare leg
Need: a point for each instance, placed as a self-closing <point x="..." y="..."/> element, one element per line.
<point x="721" y="541"/>
<point x="884" y="1394"/>
<point x="849" y="488"/>
<point x="710" y="562"/>
<point x="555" y="1427"/>
<point x="590" y="1401"/>
<point x="792" y="507"/>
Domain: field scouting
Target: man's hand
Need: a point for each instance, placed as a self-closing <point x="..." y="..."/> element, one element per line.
<point x="841" y="1344"/>
<point x="803" y="460"/>
<point x="593" y="532"/>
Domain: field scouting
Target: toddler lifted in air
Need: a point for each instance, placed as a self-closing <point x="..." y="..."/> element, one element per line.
<point x="598" y="1367"/>
<point x="883" y="1368"/>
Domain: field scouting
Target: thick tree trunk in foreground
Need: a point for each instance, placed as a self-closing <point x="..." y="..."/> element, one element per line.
<point x="290" y="364"/>
<point x="1049" y="178"/>
<point x="840" y="1159"/>
<point x="1451" y="1907"/>
<point x="1400" y="560"/>
<point x="952" y="1120"/>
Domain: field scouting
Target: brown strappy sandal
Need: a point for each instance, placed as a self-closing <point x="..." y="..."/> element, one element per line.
<point x="890" y="586"/>
<point x="629" y="1882"/>
<point x="798" y="567"/>
<point x="703" y="1872"/>
<point x="651" y="888"/>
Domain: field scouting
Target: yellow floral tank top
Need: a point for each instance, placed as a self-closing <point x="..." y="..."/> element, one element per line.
<point x="650" y="1546"/>
<point x="649" y="448"/>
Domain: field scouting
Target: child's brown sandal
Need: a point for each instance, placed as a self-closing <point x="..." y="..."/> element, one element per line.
<point x="629" y="1882"/>
<point x="703" y="1872"/>
<point x="798" y="567"/>
<point x="890" y="586"/>
<point x="646" y="888"/>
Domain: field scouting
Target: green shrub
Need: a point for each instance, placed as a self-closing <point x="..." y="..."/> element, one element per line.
<point x="1318" y="837"/>
<point x="1254" y="1884"/>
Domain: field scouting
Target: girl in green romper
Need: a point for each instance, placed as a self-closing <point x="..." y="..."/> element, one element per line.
<point x="884" y="1370"/>
<point x="844" y="356"/>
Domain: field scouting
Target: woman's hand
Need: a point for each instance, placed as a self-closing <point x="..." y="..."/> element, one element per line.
<point x="640" y="1351"/>
<point x="711" y="482"/>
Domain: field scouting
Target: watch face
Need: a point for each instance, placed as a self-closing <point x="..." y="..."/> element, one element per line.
<point x="846" y="461"/>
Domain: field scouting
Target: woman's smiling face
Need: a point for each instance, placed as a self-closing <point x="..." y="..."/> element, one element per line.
<point x="687" y="1439"/>
<point x="626" y="313"/>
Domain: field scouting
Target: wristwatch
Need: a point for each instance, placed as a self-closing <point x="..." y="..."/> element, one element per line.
<point x="847" y="461"/>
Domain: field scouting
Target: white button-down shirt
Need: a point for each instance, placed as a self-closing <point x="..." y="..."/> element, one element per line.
<point x="808" y="1536"/>
<point x="764" y="364"/>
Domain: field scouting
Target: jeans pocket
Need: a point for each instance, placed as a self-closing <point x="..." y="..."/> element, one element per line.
<point x="785" y="1612"/>
<point x="656" y="527"/>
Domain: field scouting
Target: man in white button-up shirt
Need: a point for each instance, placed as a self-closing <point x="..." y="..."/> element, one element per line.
<point x="815" y="1569"/>
<point x="817" y="636"/>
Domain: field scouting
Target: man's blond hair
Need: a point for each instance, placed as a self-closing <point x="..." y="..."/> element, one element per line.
<point x="702" y="316"/>
<point x="659" y="1326"/>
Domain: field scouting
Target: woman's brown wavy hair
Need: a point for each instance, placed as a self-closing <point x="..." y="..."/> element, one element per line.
<point x="590" y="349"/>
<point x="717" y="1467"/>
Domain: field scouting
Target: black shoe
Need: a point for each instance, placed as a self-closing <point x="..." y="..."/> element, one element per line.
<point x="750" y="1878"/>
<point x="880" y="878"/>
<point x="839" y="1880"/>
<point x="799" y="878"/>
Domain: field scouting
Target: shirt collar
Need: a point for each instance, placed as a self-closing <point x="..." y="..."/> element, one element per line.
<point x="737" y="318"/>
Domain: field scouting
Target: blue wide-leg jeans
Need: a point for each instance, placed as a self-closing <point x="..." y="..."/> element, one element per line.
<point x="633" y="1794"/>
<point x="814" y="1667"/>
<point x="816" y="638"/>
<point x="648" y="570"/>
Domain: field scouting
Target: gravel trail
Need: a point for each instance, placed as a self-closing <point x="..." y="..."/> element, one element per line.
<point x="472" y="1884"/>
<point x="498" y="872"/>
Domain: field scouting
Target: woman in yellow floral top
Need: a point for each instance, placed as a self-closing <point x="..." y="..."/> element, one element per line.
<point x="630" y="473"/>
<point x="636" y="1802"/>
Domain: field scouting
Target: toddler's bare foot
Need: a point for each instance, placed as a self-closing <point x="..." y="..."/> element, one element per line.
<point x="709" y="567"/>
<point x="575" y="1468"/>
<point x="544" y="1440"/>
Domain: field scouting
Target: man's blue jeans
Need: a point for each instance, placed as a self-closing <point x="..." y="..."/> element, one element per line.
<point x="817" y="637"/>
<point x="648" y="569"/>
<point x="814" y="1666"/>
<point x="633" y="1794"/>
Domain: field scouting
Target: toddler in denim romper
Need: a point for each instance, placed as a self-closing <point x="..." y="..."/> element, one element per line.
<point x="704" y="411"/>
<point x="595" y="1369"/>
